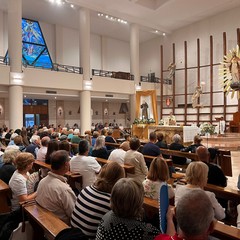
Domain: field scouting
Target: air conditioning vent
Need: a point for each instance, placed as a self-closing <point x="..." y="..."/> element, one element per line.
<point x="108" y="95"/>
<point x="51" y="92"/>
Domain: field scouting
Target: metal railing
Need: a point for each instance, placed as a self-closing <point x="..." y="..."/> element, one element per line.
<point x="111" y="74"/>
<point x="3" y="62"/>
<point x="155" y="80"/>
<point x="47" y="66"/>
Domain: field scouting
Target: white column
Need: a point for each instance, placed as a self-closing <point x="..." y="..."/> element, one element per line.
<point x="15" y="55"/>
<point x="134" y="65"/>
<point x="85" y="111"/>
<point x="85" y="95"/>
<point x="134" y="52"/>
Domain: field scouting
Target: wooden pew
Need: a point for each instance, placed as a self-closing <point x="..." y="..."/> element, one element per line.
<point x="5" y="194"/>
<point x="72" y="177"/>
<point x="150" y="158"/>
<point x="192" y="156"/>
<point x="225" y="161"/>
<point x="221" y="230"/>
<point x="128" y="168"/>
<point x="115" y="145"/>
<point x="224" y="192"/>
<point x="46" y="220"/>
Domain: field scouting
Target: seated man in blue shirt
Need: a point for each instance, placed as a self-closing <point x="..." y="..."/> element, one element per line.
<point x="150" y="148"/>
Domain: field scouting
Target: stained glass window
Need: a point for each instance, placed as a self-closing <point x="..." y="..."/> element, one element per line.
<point x="34" y="48"/>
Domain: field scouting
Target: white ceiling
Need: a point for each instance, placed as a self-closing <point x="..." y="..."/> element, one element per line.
<point x="163" y="15"/>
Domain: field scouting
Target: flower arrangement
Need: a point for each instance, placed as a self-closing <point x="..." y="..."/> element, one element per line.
<point x="161" y="122"/>
<point x="207" y="128"/>
<point x="143" y="121"/>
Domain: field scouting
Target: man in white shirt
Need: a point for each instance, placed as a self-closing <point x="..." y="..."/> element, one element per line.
<point x="117" y="155"/>
<point x="43" y="149"/>
<point x="53" y="192"/>
<point x="86" y="165"/>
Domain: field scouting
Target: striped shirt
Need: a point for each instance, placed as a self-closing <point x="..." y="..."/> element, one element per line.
<point x="89" y="209"/>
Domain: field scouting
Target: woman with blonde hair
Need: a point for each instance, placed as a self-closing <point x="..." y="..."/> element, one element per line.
<point x="197" y="176"/>
<point x="157" y="175"/>
<point x="94" y="201"/>
<point x="124" y="220"/>
<point x="99" y="149"/>
<point x="17" y="183"/>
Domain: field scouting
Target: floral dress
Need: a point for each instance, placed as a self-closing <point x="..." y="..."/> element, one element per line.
<point x="152" y="188"/>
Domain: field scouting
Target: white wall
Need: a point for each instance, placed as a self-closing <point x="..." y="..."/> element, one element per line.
<point x="115" y="55"/>
<point x="1" y="33"/>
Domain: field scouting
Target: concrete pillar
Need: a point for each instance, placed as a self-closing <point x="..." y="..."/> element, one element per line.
<point x="134" y="65"/>
<point x="15" y="55"/>
<point x="85" y="95"/>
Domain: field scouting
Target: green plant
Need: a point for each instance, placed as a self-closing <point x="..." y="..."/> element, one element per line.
<point x="207" y="128"/>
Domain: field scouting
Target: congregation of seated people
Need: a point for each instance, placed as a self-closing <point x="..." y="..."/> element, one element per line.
<point x="109" y="202"/>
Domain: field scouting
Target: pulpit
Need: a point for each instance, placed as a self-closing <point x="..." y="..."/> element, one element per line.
<point x="234" y="125"/>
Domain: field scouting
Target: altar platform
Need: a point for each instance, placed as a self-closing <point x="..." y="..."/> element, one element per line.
<point x="229" y="141"/>
<point x="187" y="133"/>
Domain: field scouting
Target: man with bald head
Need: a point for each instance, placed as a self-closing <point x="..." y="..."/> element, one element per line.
<point x="215" y="173"/>
<point x="195" y="217"/>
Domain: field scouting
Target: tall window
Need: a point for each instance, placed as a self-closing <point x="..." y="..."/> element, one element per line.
<point x="34" y="49"/>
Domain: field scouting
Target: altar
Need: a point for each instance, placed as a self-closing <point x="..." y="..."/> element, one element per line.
<point x="187" y="133"/>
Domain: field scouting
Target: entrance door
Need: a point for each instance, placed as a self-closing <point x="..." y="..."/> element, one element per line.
<point x="29" y="120"/>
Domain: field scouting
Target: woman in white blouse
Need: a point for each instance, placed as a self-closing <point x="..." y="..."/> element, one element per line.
<point x="196" y="176"/>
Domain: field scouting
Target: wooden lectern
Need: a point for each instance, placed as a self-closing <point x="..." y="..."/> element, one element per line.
<point x="235" y="124"/>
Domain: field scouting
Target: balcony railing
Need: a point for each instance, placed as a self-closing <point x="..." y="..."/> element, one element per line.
<point x="111" y="74"/>
<point x="155" y="80"/>
<point x="3" y="62"/>
<point x="47" y="66"/>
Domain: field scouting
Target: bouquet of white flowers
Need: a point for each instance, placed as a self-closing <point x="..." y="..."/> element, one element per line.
<point x="207" y="128"/>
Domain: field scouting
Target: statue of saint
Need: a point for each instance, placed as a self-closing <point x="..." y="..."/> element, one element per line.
<point x="144" y="107"/>
<point x="234" y="67"/>
<point x="171" y="69"/>
<point x="195" y="96"/>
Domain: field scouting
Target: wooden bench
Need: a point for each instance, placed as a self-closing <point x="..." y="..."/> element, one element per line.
<point x="225" y="161"/>
<point x="5" y="195"/>
<point x="72" y="177"/>
<point x="150" y="158"/>
<point x="45" y="220"/>
<point x="224" y="192"/>
<point x="221" y="230"/>
<point x="192" y="156"/>
<point x="128" y="168"/>
<point x="115" y="145"/>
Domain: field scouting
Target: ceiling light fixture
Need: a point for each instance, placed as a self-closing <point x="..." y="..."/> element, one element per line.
<point x="164" y="34"/>
<point x="111" y="18"/>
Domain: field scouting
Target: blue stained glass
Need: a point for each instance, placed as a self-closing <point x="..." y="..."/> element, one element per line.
<point x="34" y="48"/>
<point x="31" y="32"/>
<point x="31" y="52"/>
<point x="44" y="60"/>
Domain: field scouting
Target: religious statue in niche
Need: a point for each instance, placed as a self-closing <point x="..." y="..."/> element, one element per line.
<point x="229" y="72"/>
<point x="144" y="107"/>
<point x="105" y="111"/>
<point x="171" y="69"/>
<point x="196" y="96"/>
<point x="60" y="112"/>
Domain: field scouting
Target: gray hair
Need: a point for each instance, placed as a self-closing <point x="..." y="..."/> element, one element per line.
<point x="34" y="138"/>
<point x="100" y="142"/>
<point x="194" y="213"/>
<point x="10" y="155"/>
<point x="176" y="138"/>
